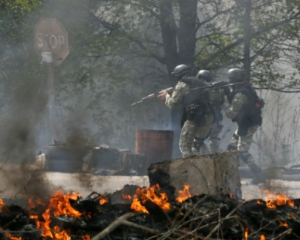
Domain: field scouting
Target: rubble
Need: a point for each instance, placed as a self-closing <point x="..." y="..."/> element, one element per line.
<point x="149" y="214"/>
<point x="99" y="160"/>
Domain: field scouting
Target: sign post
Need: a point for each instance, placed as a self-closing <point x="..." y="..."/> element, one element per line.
<point x="51" y="43"/>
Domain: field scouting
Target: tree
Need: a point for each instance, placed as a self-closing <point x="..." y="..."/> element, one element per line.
<point x="140" y="42"/>
<point x="22" y="103"/>
<point x="256" y="35"/>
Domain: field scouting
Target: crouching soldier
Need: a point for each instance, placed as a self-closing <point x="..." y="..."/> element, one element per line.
<point x="198" y="115"/>
<point x="245" y="109"/>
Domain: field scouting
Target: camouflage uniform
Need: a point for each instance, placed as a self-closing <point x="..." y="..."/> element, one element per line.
<point x="190" y="128"/>
<point x="214" y="140"/>
<point x="242" y="143"/>
<point x="217" y="98"/>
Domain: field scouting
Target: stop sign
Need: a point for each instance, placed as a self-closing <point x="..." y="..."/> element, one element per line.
<point x="50" y="36"/>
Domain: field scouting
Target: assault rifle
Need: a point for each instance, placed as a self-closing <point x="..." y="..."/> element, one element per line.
<point x="171" y="89"/>
<point x="153" y="95"/>
<point x="217" y="85"/>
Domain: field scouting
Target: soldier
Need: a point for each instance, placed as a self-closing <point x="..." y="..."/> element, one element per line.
<point x="216" y="98"/>
<point x="245" y="109"/>
<point x="196" y="107"/>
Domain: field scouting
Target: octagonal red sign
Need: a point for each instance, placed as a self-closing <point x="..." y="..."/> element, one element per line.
<point x="50" y="36"/>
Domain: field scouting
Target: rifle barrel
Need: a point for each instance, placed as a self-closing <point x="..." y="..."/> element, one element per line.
<point x="152" y="95"/>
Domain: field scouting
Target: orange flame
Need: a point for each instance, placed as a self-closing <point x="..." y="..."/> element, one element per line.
<point x="262" y="237"/>
<point x="31" y="203"/>
<point x="86" y="237"/>
<point x="183" y="194"/>
<point x="1" y="204"/>
<point x="284" y="224"/>
<point x="278" y="199"/>
<point x="246" y="233"/>
<point x="59" y="204"/>
<point x="103" y="200"/>
<point x="12" y="237"/>
<point x="137" y="206"/>
<point x="61" y="235"/>
<point x="149" y="193"/>
<point x="126" y="196"/>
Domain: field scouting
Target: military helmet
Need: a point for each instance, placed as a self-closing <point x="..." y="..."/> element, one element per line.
<point x="235" y="75"/>
<point x="204" y="74"/>
<point x="181" y="70"/>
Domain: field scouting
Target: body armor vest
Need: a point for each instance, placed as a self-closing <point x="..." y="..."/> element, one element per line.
<point x="216" y="98"/>
<point x="196" y="102"/>
<point x="250" y="113"/>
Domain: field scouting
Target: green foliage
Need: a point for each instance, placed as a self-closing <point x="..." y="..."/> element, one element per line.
<point x="114" y="44"/>
<point x="273" y="39"/>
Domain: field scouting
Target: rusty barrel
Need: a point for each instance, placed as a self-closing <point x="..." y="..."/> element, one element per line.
<point x="156" y="145"/>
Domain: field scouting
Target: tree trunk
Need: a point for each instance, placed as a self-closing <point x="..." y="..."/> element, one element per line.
<point x="187" y="31"/>
<point x="187" y="42"/>
<point x="247" y="34"/>
<point x="169" y="37"/>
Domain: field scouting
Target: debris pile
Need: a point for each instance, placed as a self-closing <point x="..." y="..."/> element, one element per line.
<point x="100" y="160"/>
<point x="148" y="214"/>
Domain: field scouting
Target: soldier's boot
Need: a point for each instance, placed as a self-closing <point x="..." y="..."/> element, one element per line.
<point x="233" y="142"/>
<point x="214" y="145"/>
<point x="256" y="170"/>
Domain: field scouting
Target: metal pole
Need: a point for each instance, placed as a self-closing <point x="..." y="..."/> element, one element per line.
<point x="47" y="60"/>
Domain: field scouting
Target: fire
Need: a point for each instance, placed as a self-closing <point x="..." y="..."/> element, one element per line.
<point x="183" y="194"/>
<point x="10" y="237"/>
<point x="31" y="203"/>
<point x="126" y="196"/>
<point x="246" y="233"/>
<point x="1" y="204"/>
<point x="103" y="200"/>
<point x="58" y="205"/>
<point x="37" y="201"/>
<point x="58" y="234"/>
<point x="86" y="237"/>
<point x="284" y="224"/>
<point x="262" y="237"/>
<point x="149" y="193"/>
<point x="278" y="199"/>
<point x="137" y="206"/>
